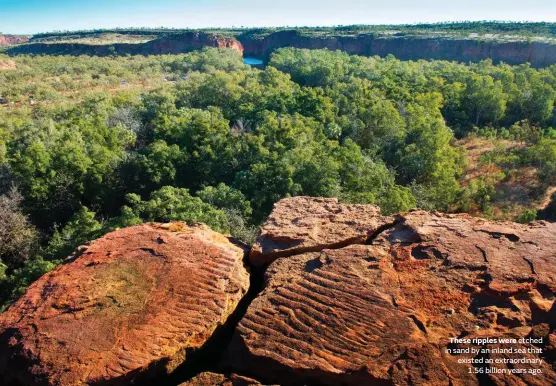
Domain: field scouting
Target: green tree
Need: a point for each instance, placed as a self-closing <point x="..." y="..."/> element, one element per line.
<point x="19" y="239"/>
<point x="225" y="197"/>
<point x="81" y="228"/>
<point x="175" y="204"/>
<point x="486" y="100"/>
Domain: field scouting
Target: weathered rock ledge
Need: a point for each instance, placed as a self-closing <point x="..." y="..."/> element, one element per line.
<point x="383" y="311"/>
<point x="9" y="40"/>
<point x="172" y="44"/>
<point x="134" y="305"/>
<point x="308" y="224"/>
<point x="539" y="54"/>
<point x="347" y="297"/>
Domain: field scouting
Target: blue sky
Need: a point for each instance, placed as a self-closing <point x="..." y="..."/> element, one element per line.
<point x="31" y="16"/>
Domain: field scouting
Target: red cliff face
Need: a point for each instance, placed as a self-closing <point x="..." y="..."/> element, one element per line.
<point x="10" y="40"/>
<point x="409" y="48"/>
<point x="175" y="44"/>
<point x="230" y="43"/>
<point x="172" y="44"/>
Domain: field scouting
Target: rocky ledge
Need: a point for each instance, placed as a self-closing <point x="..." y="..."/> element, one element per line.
<point x="10" y="40"/>
<point x="172" y="44"/>
<point x="538" y="54"/>
<point x="131" y="306"/>
<point x="383" y="309"/>
<point x="340" y="295"/>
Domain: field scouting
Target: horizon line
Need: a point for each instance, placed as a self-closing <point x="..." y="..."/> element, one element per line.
<point x="285" y="26"/>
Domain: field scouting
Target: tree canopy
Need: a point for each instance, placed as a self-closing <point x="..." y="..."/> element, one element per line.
<point x="112" y="142"/>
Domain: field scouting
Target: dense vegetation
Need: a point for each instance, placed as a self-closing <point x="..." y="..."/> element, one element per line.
<point x="111" y="142"/>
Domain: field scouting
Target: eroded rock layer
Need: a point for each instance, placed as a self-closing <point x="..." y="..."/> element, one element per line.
<point x="9" y="40"/>
<point x="305" y="224"/>
<point x="134" y="304"/>
<point x="383" y="312"/>
<point x="539" y="54"/>
<point x="213" y="379"/>
<point x="172" y="44"/>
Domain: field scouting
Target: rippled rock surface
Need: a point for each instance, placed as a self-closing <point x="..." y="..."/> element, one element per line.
<point x="382" y="310"/>
<point x="133" y="305"/>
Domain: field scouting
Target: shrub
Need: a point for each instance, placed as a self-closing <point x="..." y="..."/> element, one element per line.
<point x="18" y="238"/>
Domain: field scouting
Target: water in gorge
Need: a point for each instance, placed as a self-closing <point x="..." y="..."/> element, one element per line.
<point x="252" y="61"/>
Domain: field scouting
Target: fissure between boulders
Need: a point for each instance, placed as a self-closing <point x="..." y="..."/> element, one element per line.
<point x="208" y="357"/>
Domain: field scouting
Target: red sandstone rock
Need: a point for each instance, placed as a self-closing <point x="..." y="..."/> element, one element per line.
<point x="213" y="379"/>
<point x="384" y="313"/>
<point x="539" y="54"/>
<point x="305" y="224"/>
<point x="135" y="303"/>
<point x="189" y="41"/>
<point x="9" y="40"/>
<point x="171" y="44"/>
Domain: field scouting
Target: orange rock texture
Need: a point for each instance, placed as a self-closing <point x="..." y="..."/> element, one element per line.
<point x="213" y="379"/>
<point x="305" y="224"/>
<point x="382" y="312"/>
<point x="9" y="40"/>
<point x="167" y="45"/>
<point x="131" y="305"/>
<point x="348" y="297"/>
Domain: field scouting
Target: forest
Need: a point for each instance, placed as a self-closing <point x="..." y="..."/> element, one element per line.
<point x="91" y="144"/>
<point x="462" y="28"/>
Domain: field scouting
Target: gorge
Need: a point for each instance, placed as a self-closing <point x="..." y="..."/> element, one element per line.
<point x="518" y="51"/>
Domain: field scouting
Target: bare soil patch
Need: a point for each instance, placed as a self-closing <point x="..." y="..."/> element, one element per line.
<point x="6" y="65"/>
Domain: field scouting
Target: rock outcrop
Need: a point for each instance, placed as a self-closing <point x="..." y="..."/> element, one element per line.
<point x="306" y="224"/>
<point x="539" y="54"/>
<point x="383" y="311"/>
<point x="171" y="44"/>
<point x="214" y="379"/>
<point x="349" y="297"/>
<point x="408" y="48"/>
<point x="134" y="304"/>
<point x="10" y="40"/>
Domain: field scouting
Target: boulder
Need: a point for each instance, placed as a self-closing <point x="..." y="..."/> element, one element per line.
<point x="214" y="379"/>
<point x="306" y="224"/>
<point x="383" y="310"/>
<point x="132" y="305"/>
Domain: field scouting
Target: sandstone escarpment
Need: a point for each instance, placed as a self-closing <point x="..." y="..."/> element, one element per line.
<point x="383" y="312"/>
<point x="10" y="40"/>
<point x="189" y="41"/>
<point x="408" y="48"/>
<point x="171" y="44"/>
<point x="134" y="304"/>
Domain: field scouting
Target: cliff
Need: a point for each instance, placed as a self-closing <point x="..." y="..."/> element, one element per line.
<point x="171" y="44"/>
<point x="407" y="48"/>
<point x="539" y="54"/>
<point x="10" y="40"/>
<point x="338" y="295"/>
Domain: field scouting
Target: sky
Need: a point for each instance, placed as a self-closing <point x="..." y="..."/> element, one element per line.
<point x="32" y="16"/>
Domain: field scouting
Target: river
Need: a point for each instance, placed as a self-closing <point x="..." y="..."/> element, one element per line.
<point x="252" y="61"/>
